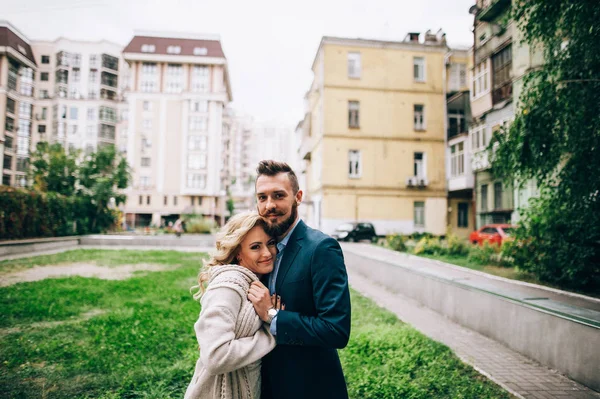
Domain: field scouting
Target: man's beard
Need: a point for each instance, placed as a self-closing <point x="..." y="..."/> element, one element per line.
<point x="278" y="229"/>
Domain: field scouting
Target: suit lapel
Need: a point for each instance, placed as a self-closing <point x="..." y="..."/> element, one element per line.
<point x="291" y="250"/>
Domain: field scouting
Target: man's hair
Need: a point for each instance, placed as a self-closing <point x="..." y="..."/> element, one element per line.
<point x="273" y="168"/>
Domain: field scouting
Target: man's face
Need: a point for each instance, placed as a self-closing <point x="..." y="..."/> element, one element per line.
<point x="277" y="203"/>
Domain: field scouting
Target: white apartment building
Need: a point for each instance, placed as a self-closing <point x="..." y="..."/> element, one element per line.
<point x="179" y="87"/>
<point x="79" y="92"/>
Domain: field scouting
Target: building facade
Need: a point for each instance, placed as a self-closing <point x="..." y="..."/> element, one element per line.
<point x="79" y="93"/>
<point x="461" y="220"/>
<point x="17" y="70"/>
<point x="374" y="137"/>
<point x="179" y="87"/>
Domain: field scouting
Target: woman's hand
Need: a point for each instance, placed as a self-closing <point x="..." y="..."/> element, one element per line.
<point x="258" y="294"/>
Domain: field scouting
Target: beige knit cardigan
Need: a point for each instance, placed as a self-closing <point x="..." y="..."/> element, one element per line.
<point x="232" y="339"/>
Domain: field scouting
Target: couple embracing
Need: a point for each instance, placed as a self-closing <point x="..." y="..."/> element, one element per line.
<point x="275" y="303"/>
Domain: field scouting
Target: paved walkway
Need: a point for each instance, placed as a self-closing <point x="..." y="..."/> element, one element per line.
<point x="516" y="373"/>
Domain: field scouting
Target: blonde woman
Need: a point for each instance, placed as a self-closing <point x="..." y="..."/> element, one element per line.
<point x="231" y="336"/>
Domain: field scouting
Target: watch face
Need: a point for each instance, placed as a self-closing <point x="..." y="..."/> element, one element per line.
<point x="272" y="312"/>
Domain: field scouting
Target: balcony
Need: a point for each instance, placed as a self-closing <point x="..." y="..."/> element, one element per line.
<point x="416" y="182"/>
<point x="502" y="94"/>
<point x="110" y="62"/>
<point x="480" y="161"/>
<point x="493" y="10"/>
<point x="462" y="182"/>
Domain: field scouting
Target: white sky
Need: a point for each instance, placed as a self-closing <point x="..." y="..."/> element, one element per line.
<point x="270" y="45"/>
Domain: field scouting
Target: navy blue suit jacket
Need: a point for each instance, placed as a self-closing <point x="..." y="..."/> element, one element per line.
<point x="313" y="284"/>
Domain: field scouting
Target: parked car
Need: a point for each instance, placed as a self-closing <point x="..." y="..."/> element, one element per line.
<point x="354" y="232"/>
<point x="492" y="233"/>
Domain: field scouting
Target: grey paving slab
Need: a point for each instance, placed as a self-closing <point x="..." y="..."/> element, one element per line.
<point x="516" y="373"/>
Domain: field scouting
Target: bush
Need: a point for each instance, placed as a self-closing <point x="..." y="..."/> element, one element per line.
<point x="484" y="253"/>
<point x="456" y="245"/>
<point x="28" y="214"/>
<point x="429" y="246"/>
<point x="199" y="225"/>
<point x="397" y="242"/>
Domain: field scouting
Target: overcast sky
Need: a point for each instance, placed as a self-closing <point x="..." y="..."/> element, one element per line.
<point x="270" y="45"/>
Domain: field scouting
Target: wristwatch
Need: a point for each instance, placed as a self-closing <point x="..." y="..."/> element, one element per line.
<point x="271" y="313"/>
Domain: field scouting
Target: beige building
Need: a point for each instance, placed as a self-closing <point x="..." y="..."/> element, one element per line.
<point x="179" y="86"/>
<point x="79" y="93"/>
<point x="17" y="70"/>
<point x="374" y="137"/>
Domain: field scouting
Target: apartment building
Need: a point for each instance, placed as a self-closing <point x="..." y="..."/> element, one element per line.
<point x="79" y="93"/>
<point x="374" y="137"/>
<point x="499" y="62"/>
<point x="17" y="70"/>
<point x="179" y="87"/>
<point x="461" y="219"/>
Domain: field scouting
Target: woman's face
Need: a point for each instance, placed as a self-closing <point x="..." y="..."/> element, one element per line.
<point x="257" y="251"/>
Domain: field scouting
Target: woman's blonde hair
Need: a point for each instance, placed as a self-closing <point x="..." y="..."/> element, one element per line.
<point x="228" y="242"/>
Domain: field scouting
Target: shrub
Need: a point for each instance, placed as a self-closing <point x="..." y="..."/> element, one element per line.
<point x="429" y="246"/>
<point x="199" y="225"/>
<point x="456" y="245"/>
<point x="397" y="242"/>
<point x="484" y="253"/>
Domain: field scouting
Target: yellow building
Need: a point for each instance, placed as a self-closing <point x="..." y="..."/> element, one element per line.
<point x="374" y="134"/>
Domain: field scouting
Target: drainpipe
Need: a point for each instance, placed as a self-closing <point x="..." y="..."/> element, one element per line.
<point x="446" y="58"/>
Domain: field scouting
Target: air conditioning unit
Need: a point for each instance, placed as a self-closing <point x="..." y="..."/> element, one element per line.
<point x="422" y="181"/>
<point x="411" y="181"/>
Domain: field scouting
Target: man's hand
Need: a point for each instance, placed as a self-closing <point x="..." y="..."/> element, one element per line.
<point x="258" y="294"/>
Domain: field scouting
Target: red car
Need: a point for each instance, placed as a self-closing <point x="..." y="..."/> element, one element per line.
<point x="492" y="233"/>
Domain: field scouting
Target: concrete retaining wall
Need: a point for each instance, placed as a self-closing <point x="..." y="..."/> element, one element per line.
<point x="571" y="347"/>
<point x="8" y="248"/>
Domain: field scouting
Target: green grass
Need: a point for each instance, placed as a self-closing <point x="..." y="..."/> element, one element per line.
<point x="143" y="344"/>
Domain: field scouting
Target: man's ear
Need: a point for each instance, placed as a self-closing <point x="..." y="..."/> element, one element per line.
<point x="299" y="195"/>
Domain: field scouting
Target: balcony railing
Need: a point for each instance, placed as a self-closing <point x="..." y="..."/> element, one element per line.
<point x="493" y="10"/>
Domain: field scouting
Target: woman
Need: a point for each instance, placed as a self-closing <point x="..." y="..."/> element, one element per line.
<point x="231" y="335"/>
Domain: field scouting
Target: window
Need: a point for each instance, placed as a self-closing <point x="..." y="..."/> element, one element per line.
<point x="200" y="51"/>
<point x="195" y="180"/>
<point x="502" y="81"/>
<point x="147" y="106"/>
<point x="108" y="114"/>
<point x="196" y="161"/>
<point x="23" y="145"/>
<point x="498" y="195"/>
<point x="174" y="49"/>
<point x="174" y="79"/>
<point x="354" y="67"/>
<point x="419" y="116"/>
<point x="457" y="160"/>
<point x="353" y="114"/>
<point x="141" y="200"/>
<point x="419" y="213"/>
<point x="76" y="76"/>
<point x="91" y="114"/>
<point x="44" y="114"/>
<point x="165" y="200"/>
<point x="456" y="123"/>
<point x="199" y="106"/>
<point x="93" y="61"/>
<point x="145" y="181"/>
<point x="7" y="162"/>
<point x="175" y="200"/>
<point x="200" y="79"/>
<point x="145" y="161"/>
<point x="198" y="123"/>
<point x="93" y="77"/>
<point x="419" y="69"/>
<point x="148" y="48"/>
<point x="149" y="78"/>
<point x="41" y="128"/>
<point x="484" y="197"/>
<point x="479" y="138"/>
<point x="10" y="105"/>
<point x="26" y="81"/>
<point x="463" y="215"/>
<point x="8" y="142"/>
<point x="74" y="113"/>
<point x="22" y="164"/>
<point x="458" y="77"/>
<point x="44" y="76"/>
<point x="354" y="164"/>
<point x="43" y="94"/>
<point x="6" y="180"/>
<point x="419" y="164"/>
<point x="147" y="123"/>
<point x="480" y="80"/>
<point x="45" y="59"/>
<point x="148" y="200"/>
<point x="197" y="143"/>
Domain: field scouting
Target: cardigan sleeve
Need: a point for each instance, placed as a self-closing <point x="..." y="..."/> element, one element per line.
<point x="220" y="351"/>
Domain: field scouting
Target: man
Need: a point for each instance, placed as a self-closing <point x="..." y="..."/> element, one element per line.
<point x="310" y="278"/>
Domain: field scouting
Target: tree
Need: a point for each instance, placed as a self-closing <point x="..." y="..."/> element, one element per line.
<point x="555" y="139"/>
<point x="101" y="176"/>
<point x="53" y="170"/>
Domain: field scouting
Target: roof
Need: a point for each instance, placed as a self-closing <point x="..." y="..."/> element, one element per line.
<point x="213" y="47"/>
<point x="8" y="38"/>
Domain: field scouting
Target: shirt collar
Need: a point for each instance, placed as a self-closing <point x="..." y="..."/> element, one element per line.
<point x="283" y="243"/>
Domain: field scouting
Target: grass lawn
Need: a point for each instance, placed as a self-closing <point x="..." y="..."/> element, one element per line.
<point x="89" y="338"/>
